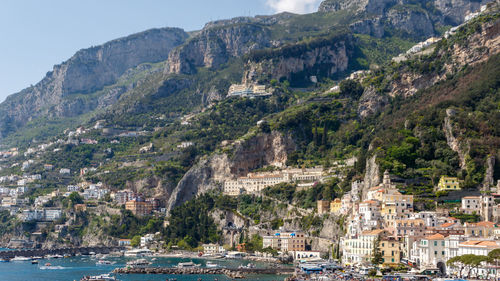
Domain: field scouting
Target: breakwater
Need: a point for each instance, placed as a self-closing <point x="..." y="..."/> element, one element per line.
<point x="59" y="251"/>
<point x="230" y="272"/>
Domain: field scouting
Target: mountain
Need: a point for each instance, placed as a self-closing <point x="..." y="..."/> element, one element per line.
<point x="62" y="92"/>
<point x="417" y="18"/>
<point x="96" y="79"/>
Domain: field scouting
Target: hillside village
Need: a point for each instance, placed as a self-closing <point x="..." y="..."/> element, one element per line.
<point x="273" y="189"/>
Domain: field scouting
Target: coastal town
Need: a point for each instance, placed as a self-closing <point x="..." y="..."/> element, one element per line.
<point x="356" y="142"/>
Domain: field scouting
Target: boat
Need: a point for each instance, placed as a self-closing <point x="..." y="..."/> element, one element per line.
<point x="34" y="262"/>
<point x="54" y="256"/>
<point x="37" y="258"/>
<point x="138" y="253"/>
<point x="250" y="265"/>
<point x="212" y="265"/>
<point x="4" y="260"/>
<point x="104" y="262"/>
<point x="138" y="263"/>
<point x="189" y="264"/>
<point x="21" y="259"/>
<point x="48" y="264"/>
<point x="102" y="277"/>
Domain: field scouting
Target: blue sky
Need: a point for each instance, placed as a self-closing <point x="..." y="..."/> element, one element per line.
<point x="35" y="34"/>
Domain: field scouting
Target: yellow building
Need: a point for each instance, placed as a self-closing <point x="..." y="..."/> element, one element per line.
<point x="335" y="206"/>
<point x="448" y="184"/>
<point x="391" y="252"/>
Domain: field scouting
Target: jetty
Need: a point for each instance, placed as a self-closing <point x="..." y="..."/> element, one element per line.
<point x="70" y="251"/>
<point x="234" y="273"/>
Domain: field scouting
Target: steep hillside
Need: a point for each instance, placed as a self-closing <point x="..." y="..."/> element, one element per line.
<point x="63" y="90"/>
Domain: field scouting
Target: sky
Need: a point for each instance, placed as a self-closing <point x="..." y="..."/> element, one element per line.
<point x="36" y="35"/>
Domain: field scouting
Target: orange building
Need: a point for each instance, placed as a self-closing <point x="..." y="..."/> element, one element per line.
<point x="139" y="208"/>
<point x="80" y="207"/>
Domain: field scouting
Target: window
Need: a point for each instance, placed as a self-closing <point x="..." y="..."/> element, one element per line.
<point x="435" y="243"/>
<point x="435" y="253"/>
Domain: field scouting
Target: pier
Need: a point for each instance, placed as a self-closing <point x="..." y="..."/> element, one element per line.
<point x="71" y="251"/>
<point x="230" y="272"/>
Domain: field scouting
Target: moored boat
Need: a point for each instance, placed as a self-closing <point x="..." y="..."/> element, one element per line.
<point x="138" y="263"/>
<point x="102" y="277"/>
<point x="21" y="258"/>
<point x="104" y="262"/>
<point x="212" y="265"/>
<point x="34" y="262"/>
<point x="189" y="264"/>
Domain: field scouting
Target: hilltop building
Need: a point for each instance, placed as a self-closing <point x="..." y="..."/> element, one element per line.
<point x="247" y="90"/>
<point x="448" y="184"/>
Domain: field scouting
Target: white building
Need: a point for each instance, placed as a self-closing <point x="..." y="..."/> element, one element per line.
<point x="147" y="239"/>
<point x="64" y="171"/>
<point x="52" y="214"/>
<point x="212" y="249"/>
<point x="477" y="247"/>
<point x="432" y="251"/>
<point x="360" y="250"/>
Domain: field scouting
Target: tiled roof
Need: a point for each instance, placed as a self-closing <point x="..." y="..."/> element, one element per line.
<point x="436" y="236"/>
<point x="482" y="244"/>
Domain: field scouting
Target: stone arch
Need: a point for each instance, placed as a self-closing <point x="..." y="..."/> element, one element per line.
<point x="442" y="268"/>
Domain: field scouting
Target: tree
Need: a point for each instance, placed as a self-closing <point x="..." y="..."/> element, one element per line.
<point x="377" y="257"/>
<point x="456" y="262"/>
<point x="74" y="199"/>
<point x="136" y="241"/>
<point x="351" y="88"/>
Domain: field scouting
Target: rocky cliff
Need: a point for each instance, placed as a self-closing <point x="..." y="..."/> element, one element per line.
<point x="324" y="59"/>
<point x="88" y="71"/>
<point x="408" y="17"/>
<point x="210" y="172"/>
<point x="214" y="45"/>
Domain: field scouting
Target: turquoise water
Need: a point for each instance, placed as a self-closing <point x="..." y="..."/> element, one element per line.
<point x="75" y="268"/>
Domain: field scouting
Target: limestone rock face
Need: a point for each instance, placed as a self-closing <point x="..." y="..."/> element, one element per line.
<point x="213" y="47"/>
<point x="209" y="173"/>
<point x="372" y="176"/>
<point x="452" y="141"/>
<point x="454" y="11"/>
<point x="371" y="102"/>
<point x="402" y="16"/>
<point x="320" y="61"/>
<point x="62" y="92"/>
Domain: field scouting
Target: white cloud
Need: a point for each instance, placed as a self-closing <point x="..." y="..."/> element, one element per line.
<point x="294" y="6"/>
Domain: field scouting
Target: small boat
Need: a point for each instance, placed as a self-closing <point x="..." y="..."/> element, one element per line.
<point x="54" y="256"/>
<point x="138" y="263"/>
<point x="48" y="264"/>
<point x="212" y="265"/>
<point x="102" y="277"/>
<point x="34" y="262"/>
<point x="21" y="259"/>
<point x="187" y="265"/>
<point x="37" y="258"/>
<point x="4" y="260"/>
<point x="250" y="265"/>
<point x="104" y="262"/>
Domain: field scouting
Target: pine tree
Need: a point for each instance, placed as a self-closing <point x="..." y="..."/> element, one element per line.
<point x="377" y="254"/>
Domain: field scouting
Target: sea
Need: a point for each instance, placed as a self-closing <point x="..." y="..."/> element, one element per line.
<point x="74" y="268"/>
